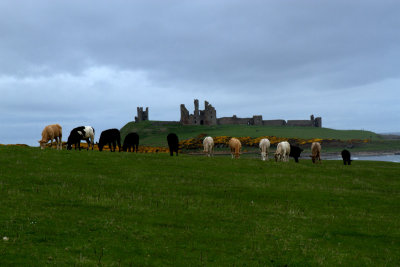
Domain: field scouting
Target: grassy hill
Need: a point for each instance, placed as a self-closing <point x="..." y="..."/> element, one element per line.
<point x="154" y="133"/>
<point x="68" y="208"/>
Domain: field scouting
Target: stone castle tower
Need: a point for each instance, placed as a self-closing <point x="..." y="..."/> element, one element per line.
<point x="208" y="116"/>
<point x="142" y="115"/>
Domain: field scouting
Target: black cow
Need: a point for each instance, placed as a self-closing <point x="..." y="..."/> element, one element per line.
<point x="110" y="137"/>
<point x="81" y="133"/>
<point x="131" y="141"/>
<point x="346" y="156"/>
<point x="173" y="143"/>
<point x="295" y="152"/>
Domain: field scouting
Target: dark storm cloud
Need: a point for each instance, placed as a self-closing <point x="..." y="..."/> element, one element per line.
<point x="206" y="41"/>
<point x="242" y="56"/>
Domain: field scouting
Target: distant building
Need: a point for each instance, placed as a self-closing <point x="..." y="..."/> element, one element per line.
<point x="142" y="115"/>
<point x="208" y="116"/>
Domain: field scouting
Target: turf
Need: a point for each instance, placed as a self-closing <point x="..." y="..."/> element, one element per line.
<point x="101" y="208"/>
<point x="154" y="133"/>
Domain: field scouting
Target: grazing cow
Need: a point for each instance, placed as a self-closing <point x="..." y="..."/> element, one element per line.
<point x="110" y="137"/>
<point x="264" y="147"/>
<point x="81" y="133"/>
<point x="173" y="143"/>
<point x="315" y="152"/>
<point x="208" y="144"/>
<point x="282" y="151"/>
<point x="50" y="132"/>
<point x="131" y="141"/>
<point x="346" y="156"/>
<point x="235" y="146"/>
<point x="295" y="152"/>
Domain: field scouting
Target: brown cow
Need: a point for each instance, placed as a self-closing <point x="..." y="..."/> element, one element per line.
<point x="316" y="152"/>
<point x="49" y="133"/>
<point x="235" y="146"/>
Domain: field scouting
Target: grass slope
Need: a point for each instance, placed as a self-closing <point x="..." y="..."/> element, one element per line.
<point x="97" y="208"/>
<point x="151" y="133"/>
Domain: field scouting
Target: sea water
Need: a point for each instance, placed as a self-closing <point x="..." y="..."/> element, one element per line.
<point x="390" y="158"/>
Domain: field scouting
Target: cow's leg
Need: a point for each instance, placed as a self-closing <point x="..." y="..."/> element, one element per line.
<point x="112" y="146"/>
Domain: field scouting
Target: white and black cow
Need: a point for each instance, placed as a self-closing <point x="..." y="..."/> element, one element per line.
<point x="131" y="141"/>
<point x="81" y="133"/>
<point x="173" y="143"/>
<point x="110" y="137"/>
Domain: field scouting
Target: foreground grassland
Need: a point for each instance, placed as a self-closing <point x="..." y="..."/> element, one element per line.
<point x="103" y="208"/>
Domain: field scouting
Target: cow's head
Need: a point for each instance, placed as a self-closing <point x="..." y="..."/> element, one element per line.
<point x="277" y="157"/>
<point x="313" y="158"/>
<point x="69" y="146"/>
<point x="100" y="147"/>
<point x="42" y="144"/>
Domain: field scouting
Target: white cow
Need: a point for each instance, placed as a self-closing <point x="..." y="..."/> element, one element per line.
<point x="264" y="147"/>
<point x="208" y="144"/>
<point x="282" y="151"/>
<point x="316" y="152"/>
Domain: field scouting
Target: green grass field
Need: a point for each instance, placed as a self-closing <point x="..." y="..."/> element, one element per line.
<point x="155" y="134"/>
<point x="101" y="208"/>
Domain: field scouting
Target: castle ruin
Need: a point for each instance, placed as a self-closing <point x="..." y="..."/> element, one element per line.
<point x="208" y="116"/>
<point x="142" y="115"/>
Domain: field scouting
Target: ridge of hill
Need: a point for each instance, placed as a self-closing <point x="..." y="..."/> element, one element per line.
<point x="154" y="132"/>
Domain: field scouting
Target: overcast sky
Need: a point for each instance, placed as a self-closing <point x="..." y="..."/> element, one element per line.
<point x="93" y="62"/>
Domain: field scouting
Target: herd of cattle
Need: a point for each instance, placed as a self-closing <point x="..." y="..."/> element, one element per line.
<point x="112" y="138"/>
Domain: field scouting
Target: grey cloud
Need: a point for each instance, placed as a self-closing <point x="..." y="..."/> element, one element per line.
<point x="242" y="56"/>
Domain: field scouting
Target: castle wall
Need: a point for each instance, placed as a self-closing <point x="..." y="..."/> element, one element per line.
<point x="274" y="122"/>
<point x="234" y="120"/>
<point x="208" y="116"/>
<point x="257" y="120"/>
<point x="184" y="115"/>
<point x="318" y="122"/>
<point x="307" y="123"/>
